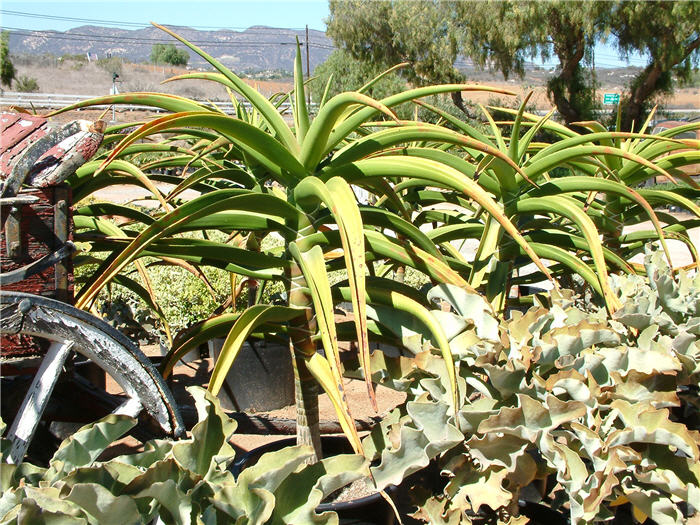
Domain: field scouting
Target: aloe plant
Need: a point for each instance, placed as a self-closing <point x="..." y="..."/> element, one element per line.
<point x="576" y="221"/>
<point x="257" y="174"/>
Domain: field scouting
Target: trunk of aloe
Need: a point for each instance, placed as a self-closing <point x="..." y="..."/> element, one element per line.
<point x="301" y="344"/>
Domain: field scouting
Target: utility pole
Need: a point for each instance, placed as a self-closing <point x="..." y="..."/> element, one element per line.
<point x="308" y="68"/>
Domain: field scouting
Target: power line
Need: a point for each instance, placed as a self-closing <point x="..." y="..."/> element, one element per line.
<point x="106" y="39"/>
<point x="125" y="23"/>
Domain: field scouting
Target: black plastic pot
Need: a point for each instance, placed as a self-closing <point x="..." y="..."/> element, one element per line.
<point x="260" y="379"/>
<point x="370" y="510"/>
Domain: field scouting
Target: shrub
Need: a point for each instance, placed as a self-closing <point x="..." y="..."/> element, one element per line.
<point x="25" y="84"/>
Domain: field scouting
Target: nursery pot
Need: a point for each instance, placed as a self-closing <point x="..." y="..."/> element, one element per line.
<point x="260" y="379"/>
<point x="369" y="510"/>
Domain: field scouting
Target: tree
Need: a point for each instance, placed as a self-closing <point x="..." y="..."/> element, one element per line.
<point x="388" y="33"/>
<point x="496" y="34"/>
<point x="668" y="33"/>
<point x="504" y="34"/>
<point x="7" y="69"/>
<point x="350" y="74"/>
<point x="169" y="54"/>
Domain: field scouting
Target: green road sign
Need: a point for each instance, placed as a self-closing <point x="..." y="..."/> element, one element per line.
<point x="611" y="98"/>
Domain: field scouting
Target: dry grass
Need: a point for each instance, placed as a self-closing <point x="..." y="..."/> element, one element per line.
<point x="71" y="77"/>
<point x="75" y="78"/>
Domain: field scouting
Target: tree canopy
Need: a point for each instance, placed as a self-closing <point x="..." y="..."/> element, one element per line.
<point x="347" y="73"/>
<point x="669" y="34"/>
<point x="7" y="69"/>
<point x="169" y="54"/>
<point x="504" y="34"/>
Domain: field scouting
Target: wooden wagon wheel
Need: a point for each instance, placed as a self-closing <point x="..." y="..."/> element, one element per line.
<point x="71" y="330"/>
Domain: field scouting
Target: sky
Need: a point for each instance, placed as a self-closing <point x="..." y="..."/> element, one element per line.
<point x="201" y="14"/>
<point x="62" y="15"/>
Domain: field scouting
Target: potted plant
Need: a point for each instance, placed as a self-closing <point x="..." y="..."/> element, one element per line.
<point x="310" y="189"/>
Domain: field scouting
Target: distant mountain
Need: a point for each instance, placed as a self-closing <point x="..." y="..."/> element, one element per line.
<point x="257" y="48"/>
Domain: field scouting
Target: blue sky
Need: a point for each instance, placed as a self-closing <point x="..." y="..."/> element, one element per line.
<point x="200" y="14"/>
<point x="214" y="14"/>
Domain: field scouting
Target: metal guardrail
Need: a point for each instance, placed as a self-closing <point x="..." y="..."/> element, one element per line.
<point x="56" y="100"/>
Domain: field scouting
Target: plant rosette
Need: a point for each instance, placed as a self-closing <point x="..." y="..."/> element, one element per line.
<point x="559" y="405"/>
<point x="181" y="482"/>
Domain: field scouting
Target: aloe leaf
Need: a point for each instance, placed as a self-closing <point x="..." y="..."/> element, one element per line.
<point x="498" y="136"/>
<point x="385" y="219"/>
<point x="380" y="140"/>
<point x="189" y="212"/>
<point x="485" y="179"/>
<point x="159" y="100"/>
<point x="407" y="254"/>
<point x="353" y="122"/>
<point x="381" y="75"/>
<point x="667" y="197"/>
<point x="196" y="335"/>
<point x="459" y="124"/>
<point x="578" y="183"/>
<point x="301" y="113"/>
<point x="241" y="329"/>
<point x="153" y="148"/>
<point x="236" y="175"/>
<point x="319" y="368"/>
<point x="537" y="167"/>
<point x="340" y="200"/>
<point x="314" y="146"/>
<point x="570" y="242"/>
<point x="112" y="209"/>
<point x="573" y="263"/>
<point x="605" y="137"/>
<point x="121" y="166"/>
<point x="563" y="205"/>
<point x="442" y="175"/>
<point x="258" y="144"/>
<point x="203" y="75"/>
<point x="403" y="303"/>
<point x="313" y="267"/>
<point x="514" y="146"/>
<point x="526" y="141"/>
<point x="258" y="101"/>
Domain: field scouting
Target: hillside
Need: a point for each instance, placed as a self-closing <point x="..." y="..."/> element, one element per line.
<point x="256" y="48"/>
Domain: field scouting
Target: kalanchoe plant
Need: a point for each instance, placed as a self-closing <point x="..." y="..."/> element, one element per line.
<point x="172" y="482"/>
<point x="561" y="405"/>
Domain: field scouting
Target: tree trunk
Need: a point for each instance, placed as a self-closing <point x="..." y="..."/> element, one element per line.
<point x="646" y="84"/>
<point x="563" y="88"/>
<point x="459" y="102"/>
